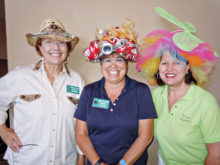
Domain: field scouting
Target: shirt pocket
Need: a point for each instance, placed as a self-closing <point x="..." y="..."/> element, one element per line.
<point x="30" y="97"/>
<point x="24" y="155"/>
<point x="31" y="105"/>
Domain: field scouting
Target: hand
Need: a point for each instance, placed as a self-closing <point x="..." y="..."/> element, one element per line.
<point x="103" y="163"/>
<point x="80" y="159"/>
<point x="10" y="138"/>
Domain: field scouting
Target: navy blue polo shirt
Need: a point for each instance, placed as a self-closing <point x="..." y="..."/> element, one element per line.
<point x="113" y="127"/>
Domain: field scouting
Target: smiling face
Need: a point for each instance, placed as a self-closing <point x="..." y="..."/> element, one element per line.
<point x="172" y="71"/>
<point x="54" y="52"/>
<point x="114" y="68"/>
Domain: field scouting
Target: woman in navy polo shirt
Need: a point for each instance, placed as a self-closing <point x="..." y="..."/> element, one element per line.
<point x="115" y="115"/>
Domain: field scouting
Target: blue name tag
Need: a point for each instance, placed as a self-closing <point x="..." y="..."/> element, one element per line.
<point x="100" y="103"/>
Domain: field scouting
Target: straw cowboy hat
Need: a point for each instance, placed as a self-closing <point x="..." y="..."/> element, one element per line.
<point x="53" y="29"/>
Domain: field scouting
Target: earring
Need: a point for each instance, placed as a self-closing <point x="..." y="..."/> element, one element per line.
<point x="158" y="75"/>
<point x="42" y="60"/>
<point x="188" y="76"/>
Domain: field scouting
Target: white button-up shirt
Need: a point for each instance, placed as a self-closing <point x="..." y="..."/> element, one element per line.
<point x="43" y="115"/>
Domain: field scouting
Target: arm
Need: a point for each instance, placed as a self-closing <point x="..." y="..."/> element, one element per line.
<point x="80" y="156"/>
<point x="10" y="138"/>
<point x="213" y="157"/>
<point x="7" y="96"/>
<point x="145" y="136"/>
<point x="210" y="125"/>
<point x="84" y="142"/>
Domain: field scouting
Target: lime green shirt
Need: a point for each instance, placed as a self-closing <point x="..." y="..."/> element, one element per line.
<point x="183" y="132"/>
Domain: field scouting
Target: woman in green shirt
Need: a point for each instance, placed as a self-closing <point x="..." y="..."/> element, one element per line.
<point x="188" y="123"/>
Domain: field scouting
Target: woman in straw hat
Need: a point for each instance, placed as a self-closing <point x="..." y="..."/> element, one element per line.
<point x="44" y="97"/>
<point x="188" y="125"/>
<point x="115" y="115"/>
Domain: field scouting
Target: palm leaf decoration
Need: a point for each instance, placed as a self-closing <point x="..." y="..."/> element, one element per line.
<point x="185" y="40"/>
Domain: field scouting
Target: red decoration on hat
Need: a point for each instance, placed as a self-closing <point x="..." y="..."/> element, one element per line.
<point x="93" y="51"/>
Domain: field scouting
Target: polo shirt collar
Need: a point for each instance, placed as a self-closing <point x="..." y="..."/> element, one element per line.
<point x="164" y="92"/>
<point x="190" y="94"/>
<point x="128" y="85"/>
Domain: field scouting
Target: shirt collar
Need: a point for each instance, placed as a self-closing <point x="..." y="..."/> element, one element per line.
<point x="164" y="92"/>
<point x="189" y="95"/>
<point x="128" y="84"/>
<point x="39" y="66"/>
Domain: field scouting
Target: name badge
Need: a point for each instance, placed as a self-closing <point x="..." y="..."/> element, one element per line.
<point x="72" y="89"/>
<point x="100" y="103"/>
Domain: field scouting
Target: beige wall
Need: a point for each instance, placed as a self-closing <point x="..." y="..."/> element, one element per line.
<point x="82" y="17"/>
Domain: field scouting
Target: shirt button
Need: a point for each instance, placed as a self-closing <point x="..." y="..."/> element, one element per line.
<point x="51" y="146"/>
<point x="175" y="106"/>
<point x="51" y="161"/>
<point x="53" y="130"/>
<point x="117" y="99"/>
<point x="114" y="104"/>
<point x="53" y="113"/>
<point x="171" y="114"/>
<point x="111" y="110"/>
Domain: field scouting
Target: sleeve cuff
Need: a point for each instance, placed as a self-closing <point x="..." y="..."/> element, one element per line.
<point x="3" y="117"/>
<point x="78" y="150"/>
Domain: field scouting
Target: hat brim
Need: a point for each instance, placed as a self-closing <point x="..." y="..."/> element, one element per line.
<point x="32" y="39"/>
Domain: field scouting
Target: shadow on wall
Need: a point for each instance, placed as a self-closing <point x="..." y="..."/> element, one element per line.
<point x="3" y="67"/>
<point x="3" y="71"/>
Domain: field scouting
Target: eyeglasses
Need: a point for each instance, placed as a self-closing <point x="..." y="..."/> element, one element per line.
<point x="52" y="43"/>
<point x="175" y="63"/>
<point x="108" y="60"/>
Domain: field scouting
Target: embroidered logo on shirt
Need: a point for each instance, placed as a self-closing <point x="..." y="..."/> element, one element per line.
<point x="185" y="118"/>
<point x="72" y="89"/>
<point x="100" y="103"/>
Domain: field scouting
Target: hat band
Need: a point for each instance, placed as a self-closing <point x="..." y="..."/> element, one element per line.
<point x="67" y="35"/>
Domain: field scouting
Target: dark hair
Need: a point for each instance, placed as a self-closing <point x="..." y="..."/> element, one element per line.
<point x="69" y="46"/>
<point x="189" y="79"/>
<point x="39" y="41"/>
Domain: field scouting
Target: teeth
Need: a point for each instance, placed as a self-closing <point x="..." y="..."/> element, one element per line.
<point x="170" y="75"/>
<point x="55" y="54"/>
<point x="113" y="72"/>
